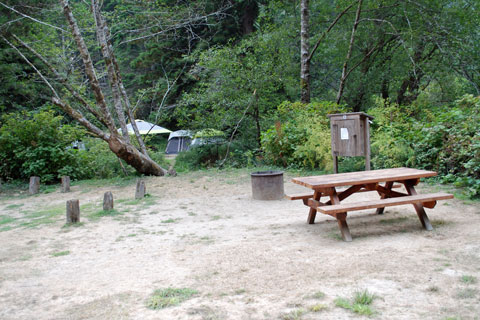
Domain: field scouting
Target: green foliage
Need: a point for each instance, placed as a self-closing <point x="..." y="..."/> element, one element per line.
<point x="360" y="303"/>
<point x="199" y="157"/>
<point x="168" y="297"/>
<point x="208" y="133"/>
<point x="391" y="136"/>
<point x="444" y="138"/>
<point x="301" y="136"/>
<point x="38" y="144"/>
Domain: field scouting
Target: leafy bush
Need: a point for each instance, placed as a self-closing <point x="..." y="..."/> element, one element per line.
<point x="37" y="144"/>
<point x="445" y="139"/>
<point x="301" y="136"/>
<point x="448" y="141"/>
<point x="204" y="156"/>
<point x="391" y="136"/>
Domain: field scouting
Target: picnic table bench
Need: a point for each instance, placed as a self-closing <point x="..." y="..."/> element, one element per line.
<point x="364" y="181"/>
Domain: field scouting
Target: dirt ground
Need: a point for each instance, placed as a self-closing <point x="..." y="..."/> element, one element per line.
<point x="247" y="259"/>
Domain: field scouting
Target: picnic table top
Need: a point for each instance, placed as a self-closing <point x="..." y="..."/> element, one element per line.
<point x="362" y="177"/>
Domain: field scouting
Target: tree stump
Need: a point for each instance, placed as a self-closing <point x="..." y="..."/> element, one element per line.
<point x="141" y="190"/>
<point x="172" y="172"/>
<point x="73" y="211"/>
<point x="34" y="185"/>
<point x="65" y="184"/>
<point x="107" y="201"/>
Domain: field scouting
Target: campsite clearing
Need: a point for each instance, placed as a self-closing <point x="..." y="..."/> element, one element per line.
<point x="202" y="237"/>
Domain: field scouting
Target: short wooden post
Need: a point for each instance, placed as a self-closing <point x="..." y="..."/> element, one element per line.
<point x="65" y="184"/>
<point x="141" y="190"/>
<point x="73" y="211"/>
<point x="34" y="185"/>
<point x="108" y="201"/>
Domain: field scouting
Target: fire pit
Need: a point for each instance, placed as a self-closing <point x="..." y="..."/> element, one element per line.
<point x="267" y="185"/>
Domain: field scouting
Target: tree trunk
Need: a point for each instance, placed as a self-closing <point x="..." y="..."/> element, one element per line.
<point x="250" y="12"/>
<point x="304" y="52"/>
<point x="133" y="157"/>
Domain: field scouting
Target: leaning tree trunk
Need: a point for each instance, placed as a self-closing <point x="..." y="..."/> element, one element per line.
<point x="121" y="146"/>
<point x="133" y="157"/>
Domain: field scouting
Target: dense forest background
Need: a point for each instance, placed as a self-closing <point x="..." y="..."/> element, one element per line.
<point x="265" y="73"/>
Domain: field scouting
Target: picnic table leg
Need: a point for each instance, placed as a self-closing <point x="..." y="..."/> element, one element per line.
<point x="388" y="186"/>
<point x="313" y="212"/>
<point x="409" y="185"/>
<point x="341" y="218"/>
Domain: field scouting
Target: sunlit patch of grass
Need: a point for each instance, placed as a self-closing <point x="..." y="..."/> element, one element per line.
<point x="116" y="182"/>
<point x="468" y="279"/>
<point x="6" y="220"/>
<point x="164" y="298"/>
<point x="14" y="206"/>
<point x="103" y="213"/>
<point x="467" y="293"/>
<point x="293" y="315"/>
<point x="360" y="303"/>
<point x="60" y="253"/>
<point x="318" y="307"/>
<point x="33" y="219"/>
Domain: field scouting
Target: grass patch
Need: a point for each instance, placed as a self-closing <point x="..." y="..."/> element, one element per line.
<point x="466" y="293"/>
<point x="468" y="279"/>
<point x="73" y="225"/>
<point x="318" y="307"/>
<point x="13" y="206"/>
<point x="164" y="298"/>
<point x="169" y="220"/>
<point x="433" y="289"/>
<point x="293" y="315"/>
<point x="360" y="303"/>
<point x="94" y="183"/>
<point x="103" y="213"/>
<point x="33" y="219"/>
<point x="60" y="253"/>
<point x="6" y="220"/>
<point x="318" y="295"/>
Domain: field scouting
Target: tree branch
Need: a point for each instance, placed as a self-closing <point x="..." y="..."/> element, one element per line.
<point x="31" y="18"/>
<point x="324" y="34"/>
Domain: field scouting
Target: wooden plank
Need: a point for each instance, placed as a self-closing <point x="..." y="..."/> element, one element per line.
<point x="299" y="196"/>
<point x="381" y="203"/>
<point x="342" y="193"/>
<point x="362" y="177"/>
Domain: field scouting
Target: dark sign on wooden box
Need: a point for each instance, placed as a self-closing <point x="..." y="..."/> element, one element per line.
<point x="350" y="136"/>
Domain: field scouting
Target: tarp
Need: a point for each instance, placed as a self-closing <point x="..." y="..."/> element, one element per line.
<point x="180" y="133"/>
<point x="145" y="127"/>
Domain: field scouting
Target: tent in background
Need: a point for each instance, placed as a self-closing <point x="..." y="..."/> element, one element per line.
<point x="145" y="127"/>
<point x="178" y="141"/>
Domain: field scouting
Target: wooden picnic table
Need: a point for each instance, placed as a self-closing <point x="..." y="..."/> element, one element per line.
<point x="362" y="181"/>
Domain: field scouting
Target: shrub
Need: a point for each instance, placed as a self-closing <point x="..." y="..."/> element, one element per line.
<point x="203" y="156"/>
<point x="301" y="136"/>
<point x="37" y="143"/>
<point x="445" y="139"/>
